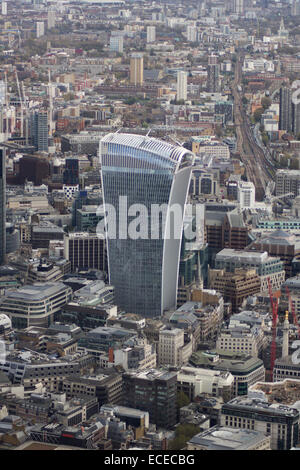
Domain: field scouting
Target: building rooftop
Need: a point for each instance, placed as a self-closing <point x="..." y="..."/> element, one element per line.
<point x="224" y="438"/>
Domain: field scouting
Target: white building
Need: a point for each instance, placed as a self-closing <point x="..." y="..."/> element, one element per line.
<point x="151" y="34"/>
<point x="51" y="19"/>
<point x="40" y="29"/>
<point x="191" y="32"/>
<point x="194" y="381"/>
<point x="171" y="348"/>
<point x="4" y="8"/>
<point x="246" y="194"/>
<point x="181" y="85"/>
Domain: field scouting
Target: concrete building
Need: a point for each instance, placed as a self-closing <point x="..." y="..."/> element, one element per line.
<point x="181" y="85"/>
<point x="172" y="348"/>
<point x="151" y="34"/>
<point x="194" y="381"/>
<point x="227" y="438"/>
<point x="40" y="29"/>
<point x="116" y="44"/>
<point x="192" y="33"/>
<point x="287" y="181"/>
<point x="154" y="391"/>
<point x="246" y="194"/>
<point x="137" y="354"/>
<point x="246" y="370"/>
<point x="137" y="69"/>
<point x="235" y="287"/>
<point x="256" y="414"/>
<point x="267" y="267"/>
<point x="51" y="17"/>
<point x="213" y="78"/>
<point x="35" y="305"/>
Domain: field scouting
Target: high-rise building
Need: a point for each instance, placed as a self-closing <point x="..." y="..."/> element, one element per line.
<point x="116" y="44"/>
<point x="4" y="8"/>
<point x="181" y="85"/>
<point x="85" y="251"/>
<point x="246" y="194"/>
<point x="2" y="206"/>
<point x="51" y="19"/>
<point x="137" y="69"/>
<point x="151" y="34"/>
<point x="213" y="79"/>
<point x="191" y="32"/>
<point x="238" y="7"/>
<point x="285" y="109"/>
<point x="39" y="130"/>
<point x="296" y="119"/>
<point x="40" y="29"/>
<point x="141" y="170"/>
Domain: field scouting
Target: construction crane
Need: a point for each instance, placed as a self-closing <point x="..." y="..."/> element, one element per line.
<point x="292" y="309"/>
<point x="274" y="306"/>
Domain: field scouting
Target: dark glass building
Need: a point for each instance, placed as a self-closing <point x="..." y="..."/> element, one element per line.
<point x="146" y="171"/>
<point x="2" y="206"/>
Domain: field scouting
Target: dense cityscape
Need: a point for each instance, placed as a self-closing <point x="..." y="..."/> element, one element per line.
<point x="149" y="226"/>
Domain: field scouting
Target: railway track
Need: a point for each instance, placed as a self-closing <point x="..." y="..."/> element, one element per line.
<point x="258" y="168"/>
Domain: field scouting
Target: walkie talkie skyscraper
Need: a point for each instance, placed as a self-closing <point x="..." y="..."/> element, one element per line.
<point x="144" y="176"/>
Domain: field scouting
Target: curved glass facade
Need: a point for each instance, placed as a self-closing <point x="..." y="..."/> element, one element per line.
<point x="150" y="172"/>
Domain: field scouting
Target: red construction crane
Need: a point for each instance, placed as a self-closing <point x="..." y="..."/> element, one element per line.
<point x="292" y="308"/>
<point x="274" y="306"/>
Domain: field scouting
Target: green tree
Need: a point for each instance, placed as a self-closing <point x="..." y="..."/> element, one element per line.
<point x="183" y="433"/>
<point x="257" y="114"/>
<point x="182" y="399"/>
<point x="266" y="102"/>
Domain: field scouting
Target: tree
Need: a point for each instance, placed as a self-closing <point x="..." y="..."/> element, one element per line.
<point x="257" y="114"/>
<point x="183" y="433"/>
<point x="266" y="102"/>
<point x="182" y="399"/>
<point x="244" y="100"/>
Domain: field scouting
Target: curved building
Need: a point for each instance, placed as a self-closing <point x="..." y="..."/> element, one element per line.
<point x="139" y="170"/>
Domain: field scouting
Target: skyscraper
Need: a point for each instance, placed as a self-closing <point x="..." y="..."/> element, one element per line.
<point x="2" y="206"/>
<point x="213" y="81"/>
<point x="137" y="69"/>
<point x="285" y="109"/>
<point x="151" y="34"/>
<point x="148" y="172"/>
<point x="181" y="85"/>
<point x="39" y="130"/>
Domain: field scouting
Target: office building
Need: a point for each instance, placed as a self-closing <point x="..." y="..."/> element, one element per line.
<point x="285" y="109"/>
<point x="39" y="130"/>
<point x="213" y="78"/>
<point x="85" y="251"/>
<point x="267" y="267"/>
<point x="154" y="391"/>
<point x="279" y="421"/>
<point x="287" y="182"/>
<point x="35" y="305"/>
<point x="194" y="381"/>
<point x="227" y="438"/>
<point x="235" y="287"/>
<point x="246" y="194"/>
<point x="246" y="370"/>
<point x="151" y="34"/>
<point x="51" y="19"/>
<point x="192" y="33"/>
<point x="40" y="29"/>
<point x="172" y="348"/>
<point x="181" y="85"/>
<point x="162" y="176"/>
<point x="2" y="206"/>
<point x="283" y="245"/>
<point x="137" y="69"/>
<point x="116" y="44"/>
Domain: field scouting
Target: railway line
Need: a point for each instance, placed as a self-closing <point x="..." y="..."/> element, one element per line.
<point x="259" y="169"/>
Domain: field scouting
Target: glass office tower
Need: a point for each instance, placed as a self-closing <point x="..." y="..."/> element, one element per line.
<point x="147" y="171"/>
